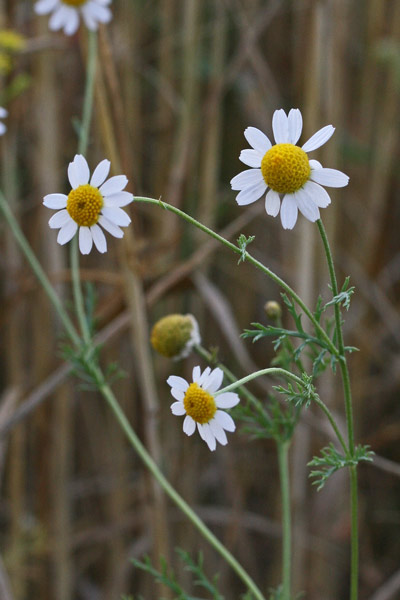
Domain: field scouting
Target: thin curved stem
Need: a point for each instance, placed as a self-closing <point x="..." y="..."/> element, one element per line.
<point x="246" y="256"/>
<point x="268" y="371"/>
<point x="38" y="270"/>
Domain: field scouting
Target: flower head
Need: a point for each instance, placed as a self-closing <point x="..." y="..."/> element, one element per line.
<point x="174" y="336"/>
<point x="89" y="205"/>
<point x="201" y="405"/>
<point x="65" y="13"/>
<point x="286" y="170"/>
<point x="3" y="114"/>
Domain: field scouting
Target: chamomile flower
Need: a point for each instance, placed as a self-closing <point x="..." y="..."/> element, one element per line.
<point x="65" y="14"/>
<point x="92" y="202"/>
<point x="197" y="400"/>
<point x="284" y="169"/>
<point x="3" y="115"/>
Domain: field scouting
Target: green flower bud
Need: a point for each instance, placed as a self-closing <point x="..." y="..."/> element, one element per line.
<point x="273" y="310"/>
<point x="174" y="336"/>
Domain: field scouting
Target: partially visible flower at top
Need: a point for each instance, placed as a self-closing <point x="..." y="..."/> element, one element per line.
<point x="65" y="13"/>
<point x="90" y="204"/>
<point x="286" y="170"/>
<point x="174" y="336"/>
<point x="201" y="407"/>
<point x="3" y="114"/>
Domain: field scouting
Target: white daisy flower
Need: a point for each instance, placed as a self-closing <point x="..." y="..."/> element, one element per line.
<point x="90" y="204"/>
<point x="65" y="13"/>
<point x="3" y="115"/>
<point x="197" y="402"/>
<point x="286" y="170"/>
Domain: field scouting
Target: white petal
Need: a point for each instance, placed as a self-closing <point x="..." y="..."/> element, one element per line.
<point x="200" y="429"/>
<point x="203" y="379"/>
<point x="319" y="138"/>
<point x="67" y="232"/>
<point x="119" y="199"/>
<point x="99" y="238"/>
<point x="177" y="394"/>
<point x="280" y="127"/>
<point x="257" y="140"/>
<point x="94" y="13"/>
<point x="110" y="227"/>
<point x="100" y="173"/>
<point x="72" y="23"/>
<point x="272" y="203"/>
<point x="116" y="216"/>
<point x="251" y="194"/>
<point x="178" y="409"/>
<point x="85" y="240"/>
<point x="314" y="164"/>
<point x="218" y="432"/>
<point x="251" y="158"/>
<point x="214" y="381"/>
<point x="295" y="125"/>
<point x="227" y="400"/>
<point x="288" y="212"/>
<point x="60" y="16"/>
<point x="208" y="436"/>
<point x="318" y="194"/>
<point x="329" y="177"/>
<point x="3" y="112"/>
<point x="114" y="185"/>
<point x="306" y="205"/>
<point x="178" y="382"/>
<point x="56" y="201"/>
<point x="59" y="219"/>
<point x="43" y="7"/>
<point x="78" y="171"/>
<point x="225" y="420"/>
<point x="3" y="128"/>
<point x="196" y="373"/>
<point x="189" y="425"/>
<point x="246" y="179"/>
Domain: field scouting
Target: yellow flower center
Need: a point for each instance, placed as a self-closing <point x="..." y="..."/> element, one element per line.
<point x="84" y="205"/>
<point x="199" y="404"/>
<point x="74" y="2"/>
<point x="285" y="168"/>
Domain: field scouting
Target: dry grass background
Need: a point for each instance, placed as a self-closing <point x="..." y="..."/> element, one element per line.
<point x="178" y="83"/>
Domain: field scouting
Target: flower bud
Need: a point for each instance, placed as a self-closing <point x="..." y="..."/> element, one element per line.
<point x="273" y="310"/>
<point x="174" y="336"/>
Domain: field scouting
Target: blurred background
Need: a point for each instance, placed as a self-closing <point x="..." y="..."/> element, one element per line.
<point x="178" y="82"/>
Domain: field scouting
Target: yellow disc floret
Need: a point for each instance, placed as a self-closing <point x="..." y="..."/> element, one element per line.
<point x="285" y="168"/>
<point x="74" y="2"/>
<point x="84" y="205"/>
<point x="199" y="404"/>
<point x="171" y="334"/>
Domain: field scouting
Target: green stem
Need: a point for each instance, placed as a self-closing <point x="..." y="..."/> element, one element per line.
<point x="349" y="417"/>
<point x="89" y="93"/>
<point x="87" y="112"/>
<point x="268" y="371"/>
<point x="38" y="270"/>
<point x="283" y="455"/>
<point x="77" y="290"/>
<point x="251" y="260"/>
<point x="169" y="490"/>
